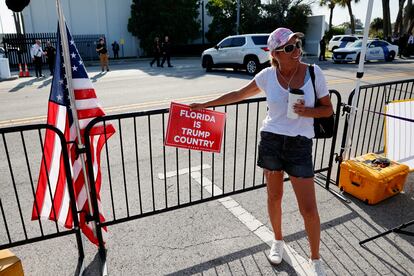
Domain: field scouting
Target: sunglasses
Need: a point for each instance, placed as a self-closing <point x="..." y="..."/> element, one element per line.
<point x="290" y="47"/>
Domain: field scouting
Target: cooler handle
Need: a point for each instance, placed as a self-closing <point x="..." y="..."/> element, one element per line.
<point x="394" y="189"/>
<point x="353" y="174"/>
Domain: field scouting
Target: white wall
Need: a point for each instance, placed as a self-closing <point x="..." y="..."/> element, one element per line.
<point x="314" y="33"/>
<point x="108" y="17"/>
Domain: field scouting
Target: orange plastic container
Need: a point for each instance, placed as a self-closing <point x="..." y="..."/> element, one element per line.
<point x="369" y="182"/>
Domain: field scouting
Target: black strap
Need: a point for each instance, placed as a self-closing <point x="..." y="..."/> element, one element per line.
<point x="312" y="74"/>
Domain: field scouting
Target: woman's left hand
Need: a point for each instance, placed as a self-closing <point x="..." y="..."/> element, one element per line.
<point x="299" y="108"/>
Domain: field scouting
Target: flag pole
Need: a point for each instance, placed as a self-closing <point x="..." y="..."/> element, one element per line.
<point x="68" y="71"/>
<point x="346" y="150"/>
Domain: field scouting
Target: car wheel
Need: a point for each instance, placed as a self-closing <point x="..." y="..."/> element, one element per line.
<point x="208" y="63"/>
<point x="391" y="56"/>
<point x="357" y="58"/>
<point x="252" y="65"/>
<point x="336" y="61"/>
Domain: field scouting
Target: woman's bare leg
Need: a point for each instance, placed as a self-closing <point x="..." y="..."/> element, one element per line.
<point x="305" y="195"/>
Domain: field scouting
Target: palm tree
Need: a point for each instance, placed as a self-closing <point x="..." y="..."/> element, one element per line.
<point x="398" y="26"/>
<point x="408" y="17"/>
<point x="387" y="18"/>
<point x="347" y="4"/>
<point x="331" y="5"/>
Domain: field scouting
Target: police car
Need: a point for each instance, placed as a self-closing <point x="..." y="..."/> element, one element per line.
<point x="376" y="50"/>
<point x="342" y="41"/>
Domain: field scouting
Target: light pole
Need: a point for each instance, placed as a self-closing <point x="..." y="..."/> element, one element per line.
<point x="202" y="21"/>
<point x="238" y="17"/>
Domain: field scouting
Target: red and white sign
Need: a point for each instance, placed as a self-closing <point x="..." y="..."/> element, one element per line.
<point x="195" y="129"/>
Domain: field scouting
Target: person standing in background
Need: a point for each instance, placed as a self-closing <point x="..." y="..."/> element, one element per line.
<point x="166" y="51"/>
<point x="156" y="49"/>
<point x="50" y="52"/>
<point x="115" y="49"/>
<point x="103" y="54"/>
<point x="37" y="53"/>
<point x="322" y="45"/>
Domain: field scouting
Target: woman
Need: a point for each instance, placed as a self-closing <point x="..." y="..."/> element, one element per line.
<point x="286" y="144"/>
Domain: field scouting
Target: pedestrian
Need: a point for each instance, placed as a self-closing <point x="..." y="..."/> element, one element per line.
<point x="50" y="53"/>
<point x="286" y="144"/>
<point x="115" y="49"/>
<point x="103" y="54"/>
<point x="410" y="45"/>
<point x="37" y="53"/>
<point x="166" y="51"/>
<point x="402" y="45"/>
<point x="322" y="45"/>
<point x="156" y="50"/>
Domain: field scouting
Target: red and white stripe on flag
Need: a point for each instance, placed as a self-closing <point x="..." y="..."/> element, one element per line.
<point x="52" y="199"/>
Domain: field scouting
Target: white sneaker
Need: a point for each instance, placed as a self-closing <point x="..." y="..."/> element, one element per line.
<point x="276" y="252"/>
<point x="317" y="267"/>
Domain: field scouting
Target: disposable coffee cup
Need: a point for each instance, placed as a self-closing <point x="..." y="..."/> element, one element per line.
<point x="295" y="96"/>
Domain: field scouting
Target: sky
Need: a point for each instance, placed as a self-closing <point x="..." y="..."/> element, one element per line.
<point x="341" y="15"/>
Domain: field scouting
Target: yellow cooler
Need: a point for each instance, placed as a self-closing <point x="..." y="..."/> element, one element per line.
<point x="372" y="177"/>
<point x="10" y="265"/>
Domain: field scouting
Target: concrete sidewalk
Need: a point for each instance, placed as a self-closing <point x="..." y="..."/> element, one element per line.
<point x="210" y="239"/>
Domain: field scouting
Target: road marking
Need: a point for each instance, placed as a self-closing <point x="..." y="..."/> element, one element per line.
<point x="297" y="262"/>
<point x="290" y="256"/>
<point x="182" y="171"/>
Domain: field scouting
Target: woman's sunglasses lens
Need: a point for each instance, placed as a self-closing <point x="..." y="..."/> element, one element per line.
<point x="289" y="48"/>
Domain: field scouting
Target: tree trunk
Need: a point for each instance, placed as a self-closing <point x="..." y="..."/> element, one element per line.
<point x="398" y="26"/>
<point x="330" y="18"/>
<point x="407" y="21"/>
<point x="386" y="18"/>
<point x="348" y="4"/>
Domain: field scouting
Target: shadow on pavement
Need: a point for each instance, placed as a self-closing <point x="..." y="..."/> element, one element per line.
<point x="95" y="267"/>
<point x="97" y="76"/>
<point x="250" y="260"/>
<point x="23" y="84"/>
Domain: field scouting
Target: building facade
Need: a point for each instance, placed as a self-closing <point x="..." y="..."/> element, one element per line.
<point x="107" y="17"/>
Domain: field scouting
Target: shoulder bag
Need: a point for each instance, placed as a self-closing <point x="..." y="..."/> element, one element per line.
<point x="323" y="127"/>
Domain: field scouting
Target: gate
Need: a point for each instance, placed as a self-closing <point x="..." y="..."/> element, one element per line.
<point x="146" y="178"/>
<point x="22" y="153"/>
<point x="17" y="46"/>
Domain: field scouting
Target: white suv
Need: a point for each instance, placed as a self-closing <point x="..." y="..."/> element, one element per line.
<point x="341" y="41"/>
<point x="247" y="51"/>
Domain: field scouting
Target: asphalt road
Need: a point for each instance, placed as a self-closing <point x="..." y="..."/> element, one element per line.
<point x="132" y="86"/>
<point x="222" y="237"/>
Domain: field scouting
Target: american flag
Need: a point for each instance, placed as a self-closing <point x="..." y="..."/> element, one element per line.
<point x="52" y="169"/>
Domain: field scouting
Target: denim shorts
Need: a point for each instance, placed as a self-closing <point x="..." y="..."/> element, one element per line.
<point x="285" y="153"/>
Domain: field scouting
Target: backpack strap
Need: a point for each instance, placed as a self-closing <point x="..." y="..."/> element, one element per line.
<point x="312" y="74"/>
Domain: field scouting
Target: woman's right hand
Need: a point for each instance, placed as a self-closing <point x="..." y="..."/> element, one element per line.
<point x="197" y="106"/>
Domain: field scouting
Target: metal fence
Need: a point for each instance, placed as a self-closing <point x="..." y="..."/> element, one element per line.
<point x="22" y="154"/>
<point x="142" y="177"/>
<point x="146" y="178"/>
<point x="17" y="46"/>
<point x="367" y="131"/>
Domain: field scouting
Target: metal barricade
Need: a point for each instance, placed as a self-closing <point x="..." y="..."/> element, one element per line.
<point x="146" y="178"/>
<point x="367" y="131"/>
<point x="22" y="154"/>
